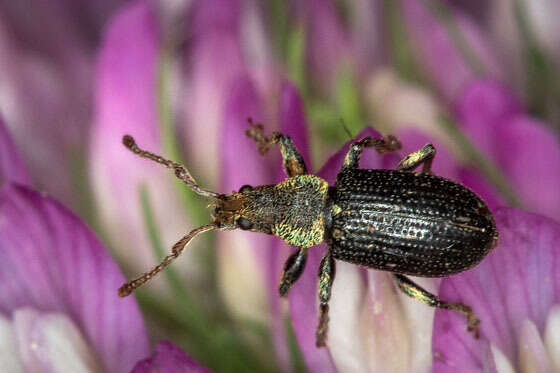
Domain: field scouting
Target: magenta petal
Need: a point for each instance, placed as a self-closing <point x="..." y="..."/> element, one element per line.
<point x="525" y="149"/>
<point x="169" y="358"/>
<point x="215" y="38"/>
<point x="446" y="64"/>
<point x="126" y="103"/>
<point x="528" y="152"/>
<point x="326" y="40"/>
<point x="52" y="262"/>
<point x="240" y="161"/>
<point x="518" y="281"/>
<point x="11" y="164"/>
<point x="482" y="104"/>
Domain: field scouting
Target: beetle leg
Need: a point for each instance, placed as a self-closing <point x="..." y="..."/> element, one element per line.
<point x="327" y="271"/>
<point x="424" y="156"/>
<point x="413" y="290"/>
<point x="293" y="161"/>
<point x="385" y="145"/>
<point x="293" y="268"/>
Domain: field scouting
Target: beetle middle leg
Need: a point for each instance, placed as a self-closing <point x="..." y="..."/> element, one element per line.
<point x="424" y="156"/>
<point x="293" y="268"/>
<point x="327" y="271"/>
<point x="413" y="290"/>
<point x="385" y="145"/>
<point x="293" y="161"/>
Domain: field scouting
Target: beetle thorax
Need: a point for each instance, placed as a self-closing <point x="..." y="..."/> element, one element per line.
<point x="299" y="204"/>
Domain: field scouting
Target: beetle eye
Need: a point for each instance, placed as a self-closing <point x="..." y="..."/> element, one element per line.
<point x="245" y="188"/>
<point x="244" y="223"/>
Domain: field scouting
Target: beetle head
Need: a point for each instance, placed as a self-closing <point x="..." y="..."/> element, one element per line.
<point x="245" y="209"/>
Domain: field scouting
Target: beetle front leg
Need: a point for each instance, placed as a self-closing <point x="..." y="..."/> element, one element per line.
<point x="293" y="161"/>
<point x="413" y="290"/>
<point x="327" y="272"/>
<point x="385" y="145"/>
<point x="424" y="156"/>
<point x="293" y="268"/>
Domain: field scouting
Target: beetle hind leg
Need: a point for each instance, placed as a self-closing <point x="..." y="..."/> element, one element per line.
<point x="327" y="272"/>
<point x="292" y="161"/>
<point x="424" y="157"/>
<point x="385" y="145"/>
<point x="413" y="290"/>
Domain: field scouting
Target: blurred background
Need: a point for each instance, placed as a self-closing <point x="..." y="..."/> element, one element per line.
<point x="479" y="79"/>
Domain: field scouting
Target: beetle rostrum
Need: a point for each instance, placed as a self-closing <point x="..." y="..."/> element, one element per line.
<point x="400" y="221"/>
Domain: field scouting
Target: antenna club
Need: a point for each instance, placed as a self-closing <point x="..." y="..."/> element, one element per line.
<point x="128" y="141"/>
<point x="125" y="291"/>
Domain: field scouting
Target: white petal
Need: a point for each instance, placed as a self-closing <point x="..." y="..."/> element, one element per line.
<point x="532" y="354"/>
<point x="385" y="332"/>
<point x="241" y="277"/>
<point x="9" y="358"/>
<point x="552" y="337"/>
<point x="420" y="321"/>
<point x="348" y="295"/>
<point x="52" y="342"/>
<point x="503" y="365"/>
<point x="397" y="104"/>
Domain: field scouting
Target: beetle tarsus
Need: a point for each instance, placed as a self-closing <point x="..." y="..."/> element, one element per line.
<point x="323" y="327"/>
<point x="292" y="161"/>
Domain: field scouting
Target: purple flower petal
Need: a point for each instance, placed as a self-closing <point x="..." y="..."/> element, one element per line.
<point x="47" y="57"/>
<point x="447" y="65"/>
<point x="526" y="150"/>
<point x="51" y="262"/>
<point x="326" y="40"/>
<point x="216" y="38"/>
<point x="126" y="103"/>
<point x="518" y="281"/>
<point x="169" y="358"/>
<point x="482" y="104"/>
<point x="11" y="165"/>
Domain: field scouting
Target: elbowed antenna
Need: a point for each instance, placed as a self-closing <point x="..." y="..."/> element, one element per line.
<point x="181" y="171"/>
<point x="177" y="250"/>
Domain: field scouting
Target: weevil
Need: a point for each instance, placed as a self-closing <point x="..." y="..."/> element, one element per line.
<point x="399" y="221"/>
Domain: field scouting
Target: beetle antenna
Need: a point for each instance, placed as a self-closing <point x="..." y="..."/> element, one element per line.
<point x="181" y="171"/>
<point x="177" y="250"/>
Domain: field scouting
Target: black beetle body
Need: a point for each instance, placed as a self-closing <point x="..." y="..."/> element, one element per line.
<point x="393" y="220"/>
<point x="409" y="223"/>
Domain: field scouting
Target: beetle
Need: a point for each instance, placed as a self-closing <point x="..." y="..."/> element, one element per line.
<point x="399" y="221"/>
